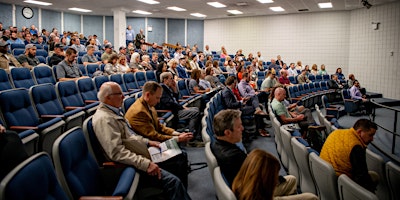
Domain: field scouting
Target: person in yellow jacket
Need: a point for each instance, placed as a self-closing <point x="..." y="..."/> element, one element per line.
<point x="345" y="149"/>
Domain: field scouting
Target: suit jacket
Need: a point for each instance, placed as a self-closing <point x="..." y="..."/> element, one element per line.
<point x="169" y="100"/>
<point x="231" y="102"/>
<point x="118" y="143"/>
<point x="333" y="84"/>
<point x="144" y="121"/>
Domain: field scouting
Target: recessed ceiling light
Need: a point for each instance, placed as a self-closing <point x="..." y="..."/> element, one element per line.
<point x="149" y="1"/>
<point x="265" y="1"/>
<point x="216" y="4"/>
<point x="198" y="15"/>
<point x="277" y="9"/>
<point x="38" y="2"/>
<point x="176" y="8"/>
<point x="235" y="12"/>
<point x="142" y="12"/>
<point x="80" y="9"/>
<point x="325" y="5"/>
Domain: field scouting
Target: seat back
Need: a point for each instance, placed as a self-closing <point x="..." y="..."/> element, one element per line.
<point x="300" y="153"/>
<point x="75" y="167"/>
<point x="318" y="78"/>
<point x="130" y="82"/>
<point x="21" y="77"/>
<point x="118" y="79"/>
<point x="17" y="109"/>
<point x="99" y="80"/>
<point x="45" y="99"/>
<point x="324" y="176"/>
<point x="41" y="59"/>
<point x="43" y="74"/>
<point x="376" y="163"/>
<point x="87" y="89"/>
<point x="326" y="77"/>
<point x="34" y="178"/>
<point x="5" y="83"/>
<point x="221" y="187"/>
<point x="83" y="69"/>
<point x="41" y="52"/>
<point x="94" y="145"/>
<point x="68" y="94"/>
<point x="287" y="147"/>
<point x="140" y="78"/>
<point x="151" y="75"/>
<point x="210" y="158"/>
<point x="18" y="51"/>
<point x="393" y="178"/>
<point x="91" y="68"/>
<point x="17" y="46"/>
<point x="128" y="101"/>
<point x="183" y="89"/>
<point x="350" y="190"/>
<point x="311" y="77"/>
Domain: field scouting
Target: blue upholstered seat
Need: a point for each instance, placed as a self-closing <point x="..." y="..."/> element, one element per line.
<point x="48" y="106"/>
<point x="79" y="172"/>
<point x="43" y="74"/>
<point x="34" y="178"/>
<point x="19" y="115"/>
<point x="5" y="83"/>
<point x="21" y="77"/>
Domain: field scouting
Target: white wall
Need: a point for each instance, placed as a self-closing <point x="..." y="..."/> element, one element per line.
<point x="320" y="38"/>
<point x="337" y="39"/>
<point x="370" y="57"/>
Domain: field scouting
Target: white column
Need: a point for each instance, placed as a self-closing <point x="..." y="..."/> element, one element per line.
<point x="40" y="20"/>
<point x="81" y="24"/>
<point x="166" y="30"/>
<point x="185" y="32"/>
<point x="145" y="29"/>
<point x="119" y="15"/>
<point x="62" y="23"/>
<point x="14" y="18"/>
<point x="104" y="29"/>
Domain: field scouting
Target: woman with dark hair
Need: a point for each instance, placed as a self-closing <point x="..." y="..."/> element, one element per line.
<point x="258" y="179"/>
<point x="161" y="67"/>
<point x="194" y="86"/>
<point x="340" y="74"/>
<point x="112" y="66"/>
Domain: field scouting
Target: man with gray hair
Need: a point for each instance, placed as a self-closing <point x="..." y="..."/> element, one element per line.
<point x="121" y="144"/>
<point x="170" y="101"/>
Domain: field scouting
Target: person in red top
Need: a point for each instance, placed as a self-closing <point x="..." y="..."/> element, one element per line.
<point x="284" y="80"/>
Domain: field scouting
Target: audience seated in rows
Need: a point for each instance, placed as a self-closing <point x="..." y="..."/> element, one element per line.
<point x="123" y="145"/>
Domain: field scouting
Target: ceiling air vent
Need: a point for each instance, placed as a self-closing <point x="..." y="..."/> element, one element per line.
<point x="303" y="10"/>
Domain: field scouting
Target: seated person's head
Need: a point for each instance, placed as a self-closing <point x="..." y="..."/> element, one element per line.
<point x="366" y="129"/>
<point x="152" y="92"/>
<point x="257" y="177"/>
<point x="227" y="125"/>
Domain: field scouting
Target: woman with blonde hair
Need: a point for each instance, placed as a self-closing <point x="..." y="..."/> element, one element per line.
<point x="258" y="179"/>
<point x="122" y="64"/>
<point x="314" y="69"/>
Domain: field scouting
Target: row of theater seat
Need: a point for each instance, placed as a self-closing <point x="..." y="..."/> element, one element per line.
<point x="314" y="174"/>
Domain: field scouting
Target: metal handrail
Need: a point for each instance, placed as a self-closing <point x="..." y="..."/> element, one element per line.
<point x="393" y="132"/>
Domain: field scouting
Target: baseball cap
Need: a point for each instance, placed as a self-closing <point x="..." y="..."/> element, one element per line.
<point x="58" y="45"/>
<point x="29" y="46"/>
<point x="122" y="47"/>
<point x="108" y="46"/>
<point x="3" y="43"/>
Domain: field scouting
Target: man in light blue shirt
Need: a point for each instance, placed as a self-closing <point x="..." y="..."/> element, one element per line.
<point x="130" y="35"/>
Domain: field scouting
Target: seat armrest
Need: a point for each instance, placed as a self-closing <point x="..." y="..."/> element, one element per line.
<point x="90" y="101"/>
<point x="335" y="109"/>
<point x="113" y="165"/>
<point x="329" y="117"/>
<point x="350" y="100"/>
<point x="52" y="116"/>
<point x="68" y="108"/>
<point x="163" y="111"/>
<point x="21" y="128"/>
<point x="186" y="97"/>
<point x="101" y="197"/>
